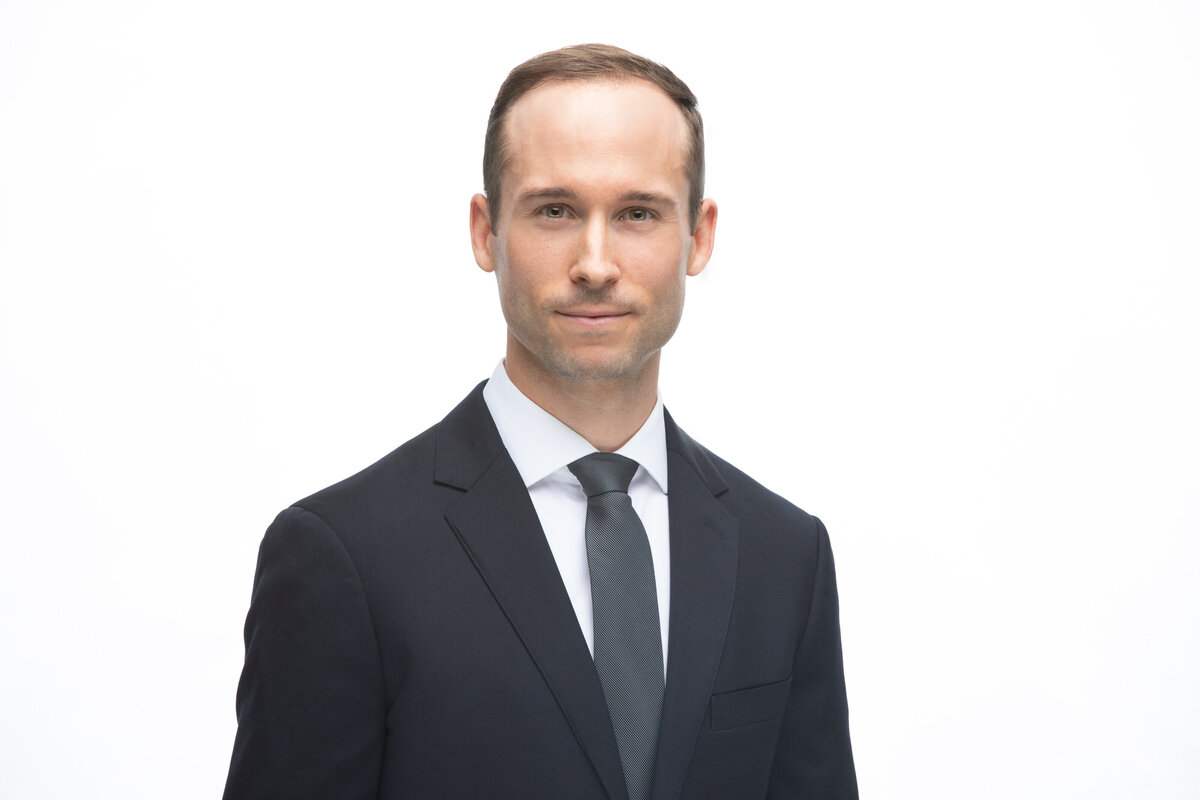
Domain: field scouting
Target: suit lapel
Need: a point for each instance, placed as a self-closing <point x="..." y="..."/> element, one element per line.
<point x="496" y="522"/>
<point x="704" y="546"/>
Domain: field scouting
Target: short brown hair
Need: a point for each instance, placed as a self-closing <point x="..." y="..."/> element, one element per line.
<point x="588" y="62"/>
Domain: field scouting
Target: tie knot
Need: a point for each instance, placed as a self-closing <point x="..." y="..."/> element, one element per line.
<point x="603" y="472"/>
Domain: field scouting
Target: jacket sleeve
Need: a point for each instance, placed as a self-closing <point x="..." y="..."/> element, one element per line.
<point x="813" y="757"/>
<point x="311" y="705"/>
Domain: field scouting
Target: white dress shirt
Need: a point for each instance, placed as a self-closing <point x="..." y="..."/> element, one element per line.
<point x="541" y="446"/>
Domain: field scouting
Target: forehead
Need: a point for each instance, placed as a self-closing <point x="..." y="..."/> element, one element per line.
<point x="588" y="130"/>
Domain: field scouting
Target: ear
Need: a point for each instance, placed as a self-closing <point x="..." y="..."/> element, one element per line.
<point x="481" y="233"/>
<point x="703" y="237"/>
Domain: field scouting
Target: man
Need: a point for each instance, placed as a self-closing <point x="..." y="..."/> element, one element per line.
<point x="504" y="608"/>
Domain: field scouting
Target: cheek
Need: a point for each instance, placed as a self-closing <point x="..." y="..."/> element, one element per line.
<point x="657" y="248"/>
<point x="529" y="264"/>
<point x="659" y="267"/>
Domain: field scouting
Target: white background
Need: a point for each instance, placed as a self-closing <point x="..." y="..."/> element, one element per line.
<point x="956" y="288"/>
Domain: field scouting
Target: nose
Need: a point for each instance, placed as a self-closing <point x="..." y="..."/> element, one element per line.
<point x="595" y="263"/>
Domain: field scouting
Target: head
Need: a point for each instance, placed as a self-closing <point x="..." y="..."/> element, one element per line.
<point x="594" y="223"/>
<point x="589" y="62"/>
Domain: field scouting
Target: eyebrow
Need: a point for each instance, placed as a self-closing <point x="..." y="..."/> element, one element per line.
<point x="551" y="193"/>
<point x="652" y="198"/>
<point x="561" y="193"/>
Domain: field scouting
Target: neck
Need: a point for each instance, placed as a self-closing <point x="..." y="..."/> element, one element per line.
<point x="605" y="413"/>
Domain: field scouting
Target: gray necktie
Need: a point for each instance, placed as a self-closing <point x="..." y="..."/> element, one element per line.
<point x="627" y="647"/>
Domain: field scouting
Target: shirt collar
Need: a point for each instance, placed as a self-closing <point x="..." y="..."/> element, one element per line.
<point x="540" y="444"/>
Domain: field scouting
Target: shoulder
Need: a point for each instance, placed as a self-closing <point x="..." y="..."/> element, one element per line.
<point x="762" y="514"/>
<point x="764" y="509"/>
<point x="417" y="479"/>
<point x="731" y="484"/>
<point x="396" y="474"/>
<point x="409" y="489"/>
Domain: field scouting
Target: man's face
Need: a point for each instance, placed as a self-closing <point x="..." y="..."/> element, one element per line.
<point x="593" y="240"/>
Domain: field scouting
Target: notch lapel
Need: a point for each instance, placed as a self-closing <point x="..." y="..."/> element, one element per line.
<point x="499" y="528"/>
<point x="704" y="548"/>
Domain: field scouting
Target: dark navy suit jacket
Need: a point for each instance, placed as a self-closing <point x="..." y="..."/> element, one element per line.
<point x="409" y="636"/>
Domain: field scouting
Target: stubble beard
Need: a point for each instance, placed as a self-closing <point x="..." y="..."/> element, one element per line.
<point x="550" y="357"/>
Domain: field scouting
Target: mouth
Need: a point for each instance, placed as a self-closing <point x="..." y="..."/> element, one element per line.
<point x="593" y="318"/>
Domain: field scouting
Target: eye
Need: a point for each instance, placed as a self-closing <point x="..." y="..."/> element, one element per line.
<point x="638" y="215"/>
<point x="554" y="211"/>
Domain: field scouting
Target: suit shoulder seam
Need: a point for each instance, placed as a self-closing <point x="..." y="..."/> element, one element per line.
<point x="358" y="579"/>
<point x="822" y="548"/>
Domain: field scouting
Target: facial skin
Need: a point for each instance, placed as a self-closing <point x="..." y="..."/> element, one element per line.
<point x="593" y="241"/>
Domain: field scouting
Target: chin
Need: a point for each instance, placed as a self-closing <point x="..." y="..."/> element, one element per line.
<point x="587" y="370"/>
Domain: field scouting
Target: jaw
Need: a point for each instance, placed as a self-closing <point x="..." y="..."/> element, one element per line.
<point x="590" y="359"/>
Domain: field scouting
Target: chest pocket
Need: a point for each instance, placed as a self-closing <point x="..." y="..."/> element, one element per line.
<point x="748" y="706"/>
